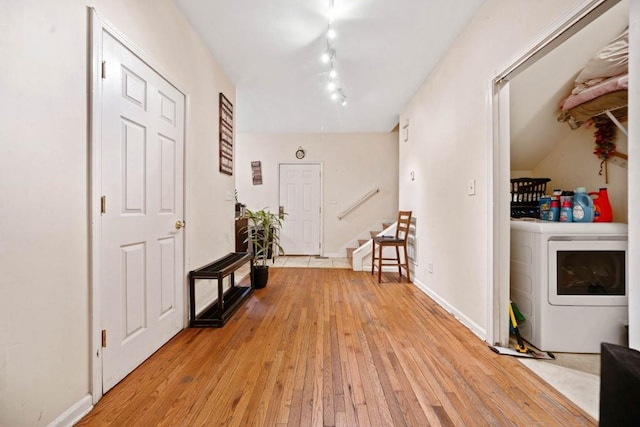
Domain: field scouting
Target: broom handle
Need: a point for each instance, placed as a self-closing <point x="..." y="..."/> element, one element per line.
<point x="515" y="327"/>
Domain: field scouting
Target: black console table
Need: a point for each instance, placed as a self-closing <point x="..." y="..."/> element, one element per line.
<point x="228" y="302"/>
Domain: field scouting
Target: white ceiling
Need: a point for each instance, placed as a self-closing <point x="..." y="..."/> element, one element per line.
<point x="271" y="51"/>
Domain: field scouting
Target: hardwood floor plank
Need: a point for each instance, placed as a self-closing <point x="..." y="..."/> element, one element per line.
<point x="328" y="405"/>
<point x="385" y="374"/>
<point x="333" y="348"/>
<point x="376" y="390"/>
<point x="294" y="367"/>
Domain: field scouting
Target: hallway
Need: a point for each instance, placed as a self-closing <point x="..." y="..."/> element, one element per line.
<point x="333" y="347"/>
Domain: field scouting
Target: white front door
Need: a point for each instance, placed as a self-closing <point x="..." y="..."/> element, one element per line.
<point x="142" y="145"/>
<point x="300" y="189"/>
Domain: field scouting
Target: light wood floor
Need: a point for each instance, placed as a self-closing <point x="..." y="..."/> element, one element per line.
<point x="333" y="347"/>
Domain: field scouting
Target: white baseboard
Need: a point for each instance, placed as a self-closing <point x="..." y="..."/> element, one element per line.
<point x="460" y="317"/>
<point x="334" y="255"/>
<point x="74" y="413"/>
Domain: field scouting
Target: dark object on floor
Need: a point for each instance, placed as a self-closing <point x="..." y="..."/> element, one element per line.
<point x="259" y="276"/>
<point x="398" y="241"/>
<point x="619" y="386"/>
<point x="220" y="310"/>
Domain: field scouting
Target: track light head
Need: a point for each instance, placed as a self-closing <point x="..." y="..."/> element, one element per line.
<point x="328" y="55"/>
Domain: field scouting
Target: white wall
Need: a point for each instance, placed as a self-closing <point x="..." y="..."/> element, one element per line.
<point x="449" y="129"/>
<point x="353" y="164"/>
<point x="572" y="164"/>
<point x="44" y="174"/>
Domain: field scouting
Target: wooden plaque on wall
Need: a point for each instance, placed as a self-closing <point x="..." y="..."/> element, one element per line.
<point x="226" y="135"/>
<point x="256" y="172"/>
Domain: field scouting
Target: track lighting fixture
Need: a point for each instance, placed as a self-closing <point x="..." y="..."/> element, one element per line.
<point x="331" y="14"/>
<point x="329" y="57"/>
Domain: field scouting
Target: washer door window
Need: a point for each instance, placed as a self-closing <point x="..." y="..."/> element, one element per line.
<point x="587" y="273"/>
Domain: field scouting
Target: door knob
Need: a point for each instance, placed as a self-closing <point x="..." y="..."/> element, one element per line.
<point x="179" y="224"/>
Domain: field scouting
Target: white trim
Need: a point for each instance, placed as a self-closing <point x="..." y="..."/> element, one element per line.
<point x="365" y="234"/>
<point x="334" y="255"/>
<point x="633" y="191"/>
<point x="74" y="413"/>
<point x="458" y="315"/>
<point x="567" y="25"/>
<point x="498" y="255"/>
<point x="187" y="219"/>
<point x="498" y="220"/>
<point x="95" y="243"/>
<point x="362" y="256"/>
<point x="97" y="26"/>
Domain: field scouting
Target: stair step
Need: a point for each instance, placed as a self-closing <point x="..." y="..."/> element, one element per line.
<point x="350" y="252"/>
<point x="362" y="241"/>
<point x="386" y="225"/>
<point x="373" y="233"/>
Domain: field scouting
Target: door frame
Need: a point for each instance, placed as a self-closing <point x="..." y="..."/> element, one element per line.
<point x="321" y="229"/>
<point x="498" y="250"/>
<point x="98" y="25"/>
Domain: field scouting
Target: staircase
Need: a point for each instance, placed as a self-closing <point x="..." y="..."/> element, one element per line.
<point x="363" y="250"/>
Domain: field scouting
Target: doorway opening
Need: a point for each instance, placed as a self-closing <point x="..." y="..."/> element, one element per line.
<point x="499" y="204"/>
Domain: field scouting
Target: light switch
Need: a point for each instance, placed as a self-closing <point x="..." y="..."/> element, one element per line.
<point x="472" y="187"/>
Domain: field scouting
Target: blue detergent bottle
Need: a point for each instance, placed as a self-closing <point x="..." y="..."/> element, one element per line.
<point x="566" y="206"/>
<point x="582" y="206"/>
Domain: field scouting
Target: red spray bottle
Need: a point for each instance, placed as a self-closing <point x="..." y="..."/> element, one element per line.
<point x="602" y="206"/>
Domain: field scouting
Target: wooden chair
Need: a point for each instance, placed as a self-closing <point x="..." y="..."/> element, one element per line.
<point x="397" y="241"/>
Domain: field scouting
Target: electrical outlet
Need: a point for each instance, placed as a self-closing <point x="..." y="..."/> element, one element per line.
<point x="472" y="187"/>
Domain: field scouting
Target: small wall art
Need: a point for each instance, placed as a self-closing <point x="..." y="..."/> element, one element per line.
<point x="256" y="172"/>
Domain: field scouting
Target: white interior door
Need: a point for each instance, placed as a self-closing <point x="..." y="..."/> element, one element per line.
<point x="142" y="146"/>
<point x="300" y="190"/>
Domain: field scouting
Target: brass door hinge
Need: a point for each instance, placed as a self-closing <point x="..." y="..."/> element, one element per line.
<point x="104" y="338"/>
<point x="103" y="204"/>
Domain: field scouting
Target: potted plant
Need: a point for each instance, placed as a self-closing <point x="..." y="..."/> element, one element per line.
<point x="263" y="238"/>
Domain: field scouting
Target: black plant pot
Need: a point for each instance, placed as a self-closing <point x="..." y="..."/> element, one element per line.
<point x="260" y="276"/>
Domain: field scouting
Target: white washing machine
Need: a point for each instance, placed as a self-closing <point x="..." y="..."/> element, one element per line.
<point x="569" y="280"/>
